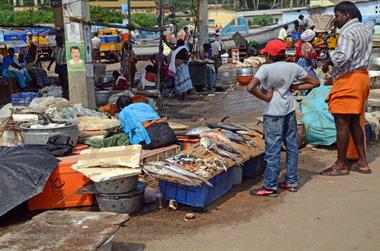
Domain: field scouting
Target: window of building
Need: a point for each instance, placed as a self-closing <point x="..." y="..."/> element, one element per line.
<point x="211" y="21"/>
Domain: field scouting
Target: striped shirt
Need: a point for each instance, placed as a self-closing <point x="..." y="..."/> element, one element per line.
<point x="59" y="54"/>
<point x="354" y="48"/>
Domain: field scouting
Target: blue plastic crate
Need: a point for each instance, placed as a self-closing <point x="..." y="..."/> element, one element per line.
<point x="254" y="167"/>
<point x="370" y="135"/>
<point x="23" y="98"/>
<point x="296" y="35"/>
<point x="198" y="197"/>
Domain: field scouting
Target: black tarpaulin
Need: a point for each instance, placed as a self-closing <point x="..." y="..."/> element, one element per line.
<point x="24" y="172"/>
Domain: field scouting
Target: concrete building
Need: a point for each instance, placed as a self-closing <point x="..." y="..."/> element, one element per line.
<point x="218" y="16"/>
<point x="136" y="6"/>
<point x="277" y="14"/>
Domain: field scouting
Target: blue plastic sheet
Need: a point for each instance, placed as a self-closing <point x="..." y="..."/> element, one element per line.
<point x="319" y="123"/>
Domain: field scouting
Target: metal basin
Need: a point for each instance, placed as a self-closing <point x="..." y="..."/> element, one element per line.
<point x="123" y="185"/>
<point x="41" y="136"/>
<point x="244" y="72"/>
<point x="121" y="203"/>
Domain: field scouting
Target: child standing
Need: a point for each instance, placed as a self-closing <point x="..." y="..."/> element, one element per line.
<point x="272" y="83"/>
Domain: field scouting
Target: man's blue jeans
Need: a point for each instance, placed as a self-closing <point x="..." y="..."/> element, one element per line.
<point x="278" y="130"/>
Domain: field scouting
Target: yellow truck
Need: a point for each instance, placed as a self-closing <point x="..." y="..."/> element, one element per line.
<point x="111" y="45"/>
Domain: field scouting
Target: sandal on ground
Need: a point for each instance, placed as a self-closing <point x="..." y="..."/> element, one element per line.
<point x="332" y="171"/>
<point x="355" y="167"/>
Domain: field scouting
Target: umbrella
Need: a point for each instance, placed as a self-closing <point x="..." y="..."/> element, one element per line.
<point x="24" y="172"/>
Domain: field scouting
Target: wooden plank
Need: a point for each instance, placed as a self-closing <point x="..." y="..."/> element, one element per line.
<point x="63" y="230"/>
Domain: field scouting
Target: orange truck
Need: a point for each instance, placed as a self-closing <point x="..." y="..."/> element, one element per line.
<point x="111" y="45"/>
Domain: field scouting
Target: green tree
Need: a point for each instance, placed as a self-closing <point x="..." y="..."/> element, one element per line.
<point x="263" y="20"/>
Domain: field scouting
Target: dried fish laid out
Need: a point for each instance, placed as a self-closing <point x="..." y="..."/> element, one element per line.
<point x="186" y="169"/>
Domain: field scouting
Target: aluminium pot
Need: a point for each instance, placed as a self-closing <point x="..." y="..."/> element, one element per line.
<point x="125" y="203"/>
<point x="117" y="186"/>
<point x="244" y="75"/>
<point x="244" y="72"/>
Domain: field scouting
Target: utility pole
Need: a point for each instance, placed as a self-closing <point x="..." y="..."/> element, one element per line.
<point x="160" y="48"/>
<point x="81" y="77"/>
<point x="129" y="46"/>
<point x="203" y="23"/>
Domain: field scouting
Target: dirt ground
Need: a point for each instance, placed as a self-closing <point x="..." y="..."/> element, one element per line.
<point x="163" y="229"/>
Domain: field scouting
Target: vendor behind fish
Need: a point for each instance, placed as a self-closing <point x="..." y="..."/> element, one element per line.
<point x="143" y="125"/>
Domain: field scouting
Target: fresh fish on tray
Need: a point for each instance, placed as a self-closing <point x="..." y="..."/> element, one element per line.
<point x="212" y="146"/>
<point x="226" y="126"/>
<point x="217" y="136"/>
<point x="235" y="137"/>
<point x="187" y="173"/>
<point x="159" y="170"/>
<point x="195" y="132"/>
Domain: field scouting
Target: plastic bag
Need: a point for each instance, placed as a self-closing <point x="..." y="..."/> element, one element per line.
<point x="319" y="123"/>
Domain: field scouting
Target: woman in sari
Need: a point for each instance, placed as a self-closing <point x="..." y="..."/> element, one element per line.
<point x="306" y="55"/>
<point x="12" y="68"/>
<point x="180" y="69"/>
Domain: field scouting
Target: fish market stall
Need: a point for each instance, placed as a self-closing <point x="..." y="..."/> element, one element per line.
<point x="204" y="172"/>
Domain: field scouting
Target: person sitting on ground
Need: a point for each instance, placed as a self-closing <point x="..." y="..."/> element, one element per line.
<point x="33" y="65"/>
<point x="12" y="68"/>
<point x="272" y="83"/>
<point x="120" y="82"/>
<point x="143" y="125"/>
<point x="283" y="34"/>
<point x="149" y="78"/>
<point x="159" y="59"/>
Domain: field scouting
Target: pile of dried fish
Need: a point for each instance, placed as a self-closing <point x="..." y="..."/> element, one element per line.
<point x="186" y="169"/>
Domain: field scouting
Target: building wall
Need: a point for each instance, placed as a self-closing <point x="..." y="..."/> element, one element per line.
<point x="320" y="3"/>
<point x="137" y="6"/>
<point x="220" y="17"/>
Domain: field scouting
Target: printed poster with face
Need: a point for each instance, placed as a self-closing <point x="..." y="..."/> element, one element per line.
<point x="75" y="55"/>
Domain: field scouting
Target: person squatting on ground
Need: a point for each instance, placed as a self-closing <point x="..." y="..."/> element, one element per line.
<point x="350" y="88"/>
<point x="273" y="83"/>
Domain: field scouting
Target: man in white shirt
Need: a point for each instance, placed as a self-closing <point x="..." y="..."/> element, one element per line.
<point x="95" y="48"/>
<point x="306" y="22"/>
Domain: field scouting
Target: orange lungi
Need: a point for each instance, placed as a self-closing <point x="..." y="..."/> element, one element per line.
<point x="348" y="96"/>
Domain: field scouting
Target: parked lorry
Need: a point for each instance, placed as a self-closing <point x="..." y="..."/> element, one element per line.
<point x="111" y="45"/>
